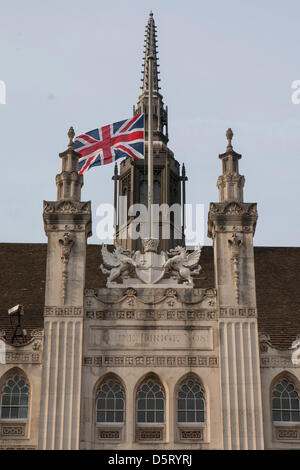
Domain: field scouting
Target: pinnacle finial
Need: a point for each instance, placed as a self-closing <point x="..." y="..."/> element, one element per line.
<point x="71" y="135"/>
<point x="150" y="52"/>
<point x="229" y="135"/>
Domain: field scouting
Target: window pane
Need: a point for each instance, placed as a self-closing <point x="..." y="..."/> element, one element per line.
<point x="150" y="416"/>
<point x="109" y="404"/>
<point x="141" y="404"/>
<point x="285" y="416"/>
<point x="101" y="404"/>
<point x="5" y="413"/>
<point x="150" y="404"/>
<point x="295" y="403"/>
<point x="119" y="404"/>
<point x="15" y="400"/>
<point x="110" y="416"/>
<point x="181" y="417"/>
<point x="190" y="417"/>
<point x="14" y="413"/>
<point x="190" y="404"/>
<point x="6" y="400"/>
<point x="119" y="416"/>
<point x="200" y="416"/>
<point x="199" y="404"/>
<point x="159" y="404"/>
<point x="285" y="403"/>
<point x="276" y="403"/>
<point x="23" y="413"/>
<point x="181" y="404"/>
<point x="141" y="416"/>
<point x="276" y="415"/>
<point x="100" y="417"/>
<point x="24" y="400"/>
<point x="159" y="416"/>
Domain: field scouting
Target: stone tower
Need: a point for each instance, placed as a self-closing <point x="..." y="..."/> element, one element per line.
<point x="168" y="184"/>
<point x="231" y="225"/>
<point x="67" y="224"/>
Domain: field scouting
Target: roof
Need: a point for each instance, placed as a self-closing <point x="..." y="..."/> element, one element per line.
<point x="23" y="271"/>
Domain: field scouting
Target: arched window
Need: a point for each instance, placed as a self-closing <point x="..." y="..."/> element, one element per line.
<point x="150" y="402"/>
<point x="191" y="402"/>
<point x="285" y="402"/>
<point x="15" y="398"/>
<point x="110" y="406"/>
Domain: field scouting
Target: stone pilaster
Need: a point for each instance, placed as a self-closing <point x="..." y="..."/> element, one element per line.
<point x="67" y="224"/>
<point x="231" y="225"/>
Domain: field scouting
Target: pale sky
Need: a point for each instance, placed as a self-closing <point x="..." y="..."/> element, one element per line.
<point x="223" y="64"/>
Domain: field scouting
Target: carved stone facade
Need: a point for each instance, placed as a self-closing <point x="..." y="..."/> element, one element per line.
<point x="166" y="336"/>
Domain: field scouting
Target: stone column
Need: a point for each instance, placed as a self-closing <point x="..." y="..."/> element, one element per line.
<point x="67" y="224"/>
<point x="231" y="225"/>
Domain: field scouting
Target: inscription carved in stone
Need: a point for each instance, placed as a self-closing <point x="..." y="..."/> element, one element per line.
<point x="110" y="338"/>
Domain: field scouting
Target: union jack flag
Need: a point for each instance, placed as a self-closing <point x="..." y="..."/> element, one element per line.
<point x="108" y="143"/>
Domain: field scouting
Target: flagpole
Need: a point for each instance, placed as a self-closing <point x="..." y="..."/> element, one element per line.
<point x="150" y="143"/>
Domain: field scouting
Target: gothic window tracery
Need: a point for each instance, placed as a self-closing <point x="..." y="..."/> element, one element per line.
<point x="285" y="402"/>
<point x="15" y="398"/>
<point x="110" y="405"/>
<point x="191" y="402"/>
<point x="150" y="402"/>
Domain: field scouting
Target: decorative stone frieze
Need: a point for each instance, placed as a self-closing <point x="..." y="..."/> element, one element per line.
<point x="191" y="434"/>
<point x="231" y="312"/>
<point x="63" y="312"/>
<point x="12" y="430"/>
<point x="287" y="433"/>
<point x="67" y="207"/>
<point x="146" y="434"/>
<point x="150" y="361"/>
<point x="150" y="315"/>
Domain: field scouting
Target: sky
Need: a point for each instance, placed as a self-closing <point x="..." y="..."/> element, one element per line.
<point x="223" y="64"/>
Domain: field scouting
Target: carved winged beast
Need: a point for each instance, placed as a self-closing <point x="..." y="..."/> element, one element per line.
<point x="183" y="265"/>
<point x="118" y="263"/>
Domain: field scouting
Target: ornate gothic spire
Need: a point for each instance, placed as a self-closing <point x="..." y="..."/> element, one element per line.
<point x="160" y="112"/>
<point x="150" y="50"/>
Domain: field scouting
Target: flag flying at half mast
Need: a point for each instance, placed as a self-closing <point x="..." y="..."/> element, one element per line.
<point x="109" y="143"/>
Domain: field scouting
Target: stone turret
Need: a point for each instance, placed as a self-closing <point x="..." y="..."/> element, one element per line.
<point x="230" y="183"/>
<point x="67" y="223"/>
<point x="231" y="225"/>
<point x="69" y="182"/>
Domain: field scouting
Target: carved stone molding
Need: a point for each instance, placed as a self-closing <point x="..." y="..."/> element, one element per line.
<point x="209" y="294"/>
<point x="63" y="312"/>
<point x="67" y="207"/>
<point x="12" y="430"/>
<point x="151" y="315"/>
<point x="66" y="243"/>
<point x="22" y="357"/>
<point x="277" y="361"/>
<point x="233" y="208"/>
<point x="149" y="434"/>
<point x="235" y="245"/>
<point x="287" y="433"/>
<point x="108" y="434"/>
<point x="191" y="434"/>
<point x="231" y="312"/>
<point x="151" y="361"/>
